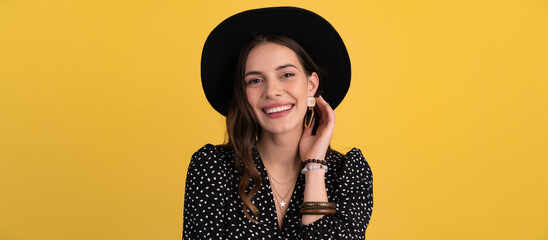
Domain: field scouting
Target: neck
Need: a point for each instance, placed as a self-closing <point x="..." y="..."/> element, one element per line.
<point x="280" y="153"/>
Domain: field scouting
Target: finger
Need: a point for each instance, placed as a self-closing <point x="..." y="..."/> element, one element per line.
<point x="326" y="112"/>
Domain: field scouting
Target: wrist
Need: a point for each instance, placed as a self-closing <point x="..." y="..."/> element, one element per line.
<point x="315" y="175"/>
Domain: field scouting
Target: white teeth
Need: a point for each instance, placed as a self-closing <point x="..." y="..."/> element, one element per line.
<point x="278" y="109"/>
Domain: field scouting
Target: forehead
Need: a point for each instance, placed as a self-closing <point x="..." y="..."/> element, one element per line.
<point x="268" y="56"/>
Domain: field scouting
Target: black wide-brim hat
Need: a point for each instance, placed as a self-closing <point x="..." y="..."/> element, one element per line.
<point x="315" y="34"/>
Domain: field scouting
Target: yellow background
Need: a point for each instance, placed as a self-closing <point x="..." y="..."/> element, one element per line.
<point x="101" y="108"/>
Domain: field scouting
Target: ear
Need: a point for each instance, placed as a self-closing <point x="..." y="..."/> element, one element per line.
<point x="313" y="83"/>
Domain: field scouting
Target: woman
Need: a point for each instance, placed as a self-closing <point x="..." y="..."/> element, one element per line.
<point x="277" y="177"/>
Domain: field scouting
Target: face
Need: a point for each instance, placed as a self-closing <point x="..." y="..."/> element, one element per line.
<point x="277" y="87"/>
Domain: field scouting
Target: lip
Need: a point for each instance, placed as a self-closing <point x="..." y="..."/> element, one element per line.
<point x="278" y="114"/>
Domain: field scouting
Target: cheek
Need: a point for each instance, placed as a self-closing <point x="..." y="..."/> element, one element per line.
<point x="252" y="98"/>
<point x="300" y="91"/>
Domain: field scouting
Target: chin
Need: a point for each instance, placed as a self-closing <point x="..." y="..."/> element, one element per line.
<point x="281" y="128"/>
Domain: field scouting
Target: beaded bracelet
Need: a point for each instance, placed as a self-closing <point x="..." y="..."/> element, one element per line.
<point x="307" y="168"/>
<point x="315" y="161"/>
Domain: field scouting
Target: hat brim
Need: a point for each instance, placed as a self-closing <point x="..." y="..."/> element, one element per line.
<point x="315" y="34"/>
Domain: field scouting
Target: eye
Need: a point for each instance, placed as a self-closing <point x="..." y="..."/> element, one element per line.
<point x="286" y="75"/>
<point x="254" y="81"/>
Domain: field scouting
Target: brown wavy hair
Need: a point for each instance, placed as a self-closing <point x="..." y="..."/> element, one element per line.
<point x="242" y="127"/>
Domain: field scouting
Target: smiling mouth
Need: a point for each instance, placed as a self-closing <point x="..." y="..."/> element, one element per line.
<point x="278" y="109"/>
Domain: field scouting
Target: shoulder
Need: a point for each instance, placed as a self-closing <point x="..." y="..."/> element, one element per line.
<point x="210" y="152"/>
<point x="352" y="164"/>
<point x="210" y="159"/>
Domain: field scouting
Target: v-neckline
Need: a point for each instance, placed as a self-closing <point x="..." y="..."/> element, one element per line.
<point x="291" y="209"/>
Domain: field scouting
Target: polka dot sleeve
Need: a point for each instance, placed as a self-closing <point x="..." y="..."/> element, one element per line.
<point x="352" y="191"/>
<point x="205" y="188"/>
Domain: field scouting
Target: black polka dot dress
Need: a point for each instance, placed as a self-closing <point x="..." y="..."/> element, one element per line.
<point x="213" y="208"/>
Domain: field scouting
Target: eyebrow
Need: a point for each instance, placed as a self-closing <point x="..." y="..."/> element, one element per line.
<point x="277" y="69"/>
<point x="285" y="66"/>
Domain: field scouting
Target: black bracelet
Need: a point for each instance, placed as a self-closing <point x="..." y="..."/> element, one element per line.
<point x="315" y="161"/>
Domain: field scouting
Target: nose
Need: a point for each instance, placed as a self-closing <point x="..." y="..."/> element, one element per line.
<point x="274" y="88"/>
